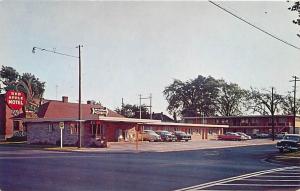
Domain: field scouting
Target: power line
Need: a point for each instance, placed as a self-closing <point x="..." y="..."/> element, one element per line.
<point x="258" y="28"/>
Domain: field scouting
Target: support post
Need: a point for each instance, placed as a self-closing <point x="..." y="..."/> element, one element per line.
<point x="61" y="138"/>
<point x="272" y="113"/>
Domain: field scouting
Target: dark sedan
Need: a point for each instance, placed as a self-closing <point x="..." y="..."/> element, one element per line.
<point x="182" y="136"/>
<point x="290" y="142"/>
<point x="166" y="136"/>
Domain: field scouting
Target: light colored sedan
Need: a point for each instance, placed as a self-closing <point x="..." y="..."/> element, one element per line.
<point x="244" y="136"/>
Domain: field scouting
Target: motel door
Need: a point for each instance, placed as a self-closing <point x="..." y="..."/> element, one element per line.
<point x="122" y="135"/>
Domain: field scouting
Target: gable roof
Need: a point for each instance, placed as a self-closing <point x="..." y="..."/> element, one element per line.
<point x="59" y="109"/>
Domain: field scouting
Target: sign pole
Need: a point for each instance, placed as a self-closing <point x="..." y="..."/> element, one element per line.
<point x="61" y="126"/>
<point x="61" y="138"/>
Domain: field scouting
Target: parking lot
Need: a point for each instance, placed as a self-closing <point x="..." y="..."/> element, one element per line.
<point x="287" y="178"/>
<point x="176" y="146"/>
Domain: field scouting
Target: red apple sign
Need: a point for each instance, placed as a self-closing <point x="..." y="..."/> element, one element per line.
<point x="15" y="100"/>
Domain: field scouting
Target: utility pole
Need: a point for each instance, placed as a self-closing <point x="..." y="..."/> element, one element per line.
<point x="80" y="134"/>
<point x="140" y="106"/>
<point x="272" y="113"/>
<point x="122" y="107"/>
<point x="56" y="88"/>
<point x="150" y="106"/>
<point x="295" y="80"/>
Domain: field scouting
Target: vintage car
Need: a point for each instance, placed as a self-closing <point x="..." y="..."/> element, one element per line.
<point x="244" y="136"/>
<point x="290" y="142"/>
<point x="230" y="136"/>
<point x="150" y="135"/>
<point x="182" y="136"/>
<point x="166" y="136"/>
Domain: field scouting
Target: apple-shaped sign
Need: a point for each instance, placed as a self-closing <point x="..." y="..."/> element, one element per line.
<point x="15" y="99"/>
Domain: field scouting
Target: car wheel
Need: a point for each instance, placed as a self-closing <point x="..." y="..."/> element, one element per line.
<point x="281" y="150"/>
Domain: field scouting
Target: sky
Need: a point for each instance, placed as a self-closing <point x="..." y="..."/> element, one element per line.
<point x="138" y="47"/>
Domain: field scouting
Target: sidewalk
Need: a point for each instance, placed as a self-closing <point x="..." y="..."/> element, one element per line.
<point x="174" y="146"/>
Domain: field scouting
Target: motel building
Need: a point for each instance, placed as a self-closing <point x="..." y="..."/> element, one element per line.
<point x="251" y="124"/>
<point x="98" y="123"/>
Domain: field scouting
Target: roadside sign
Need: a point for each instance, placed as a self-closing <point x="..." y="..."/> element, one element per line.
<point x="99" y="111"/>
<point x="61" y="125"/>
<point x="15" y="99"/>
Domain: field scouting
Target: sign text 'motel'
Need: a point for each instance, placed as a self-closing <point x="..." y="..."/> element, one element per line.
<point x="15" y="99"/>
<point x="99" y="111"/>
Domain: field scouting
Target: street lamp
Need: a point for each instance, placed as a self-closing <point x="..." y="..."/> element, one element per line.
<point x="80" y="134"/>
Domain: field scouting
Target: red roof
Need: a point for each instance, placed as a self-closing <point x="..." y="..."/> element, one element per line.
<point x="59" y="109"/>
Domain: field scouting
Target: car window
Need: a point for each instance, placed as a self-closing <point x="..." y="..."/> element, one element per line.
<point x="293" y="138"/>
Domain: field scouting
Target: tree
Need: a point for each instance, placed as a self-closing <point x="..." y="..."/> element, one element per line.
<point x="193" y="96"/>
<point x="133" y="111"/>
<point x="231" y="99"/>
<point x="260" y="101"/>
<point x="31" y="85"/>
<point x="9" y="76"/>
<point x="287" y="105"/>
<point x="296" y="7"/>
<point x="28" y="83"/>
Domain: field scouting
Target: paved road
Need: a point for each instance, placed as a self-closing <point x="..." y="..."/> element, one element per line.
<point x="40" y="170"/>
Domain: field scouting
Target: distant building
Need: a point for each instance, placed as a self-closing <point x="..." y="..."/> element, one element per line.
<point x="111" y="129"/>
<point x="161" y="116"/>
<point x="251" y="124"/>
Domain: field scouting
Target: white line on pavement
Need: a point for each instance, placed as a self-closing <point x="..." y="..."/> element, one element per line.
<point x="286" y="172"/>
<point x="293" y="170"/>
<point x="270" y="176"/>
<point x="269" y="185"/>
<point x="231" y="179"/>
<point x="263" y="180"/>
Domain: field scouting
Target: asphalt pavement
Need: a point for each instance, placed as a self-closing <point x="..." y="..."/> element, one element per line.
<point x="160" y="171"/>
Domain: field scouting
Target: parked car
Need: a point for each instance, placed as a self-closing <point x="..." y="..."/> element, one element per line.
<point x="262" y="135"/>
<point x="166" y="136"/>
<point x="244" y="136"/>
<point x="150" y="135"/>
<point x="230" y="136"/>
<point x="281" y="135"/>
<point x="182" y="136"/>
<point x="290" y="142"/>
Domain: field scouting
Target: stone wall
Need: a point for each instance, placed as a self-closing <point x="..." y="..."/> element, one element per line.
<point x="49" y="133"/>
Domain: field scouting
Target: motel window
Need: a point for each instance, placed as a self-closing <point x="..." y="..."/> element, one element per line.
<point x="282" y="120"/>
<point x="254" y="120"/>
<point x="147" y="128"/>
<point x="97" y="130"/>
<point x="244" y="120"/>
<point x="50" y="127"/>
<point x="74" y="129"/>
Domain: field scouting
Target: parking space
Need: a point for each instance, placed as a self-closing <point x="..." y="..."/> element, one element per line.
<point x="287" y="178"/>
<point x="176" y="146"/>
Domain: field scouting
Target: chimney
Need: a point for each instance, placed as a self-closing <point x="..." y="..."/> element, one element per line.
<point x="65" y="99"/>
